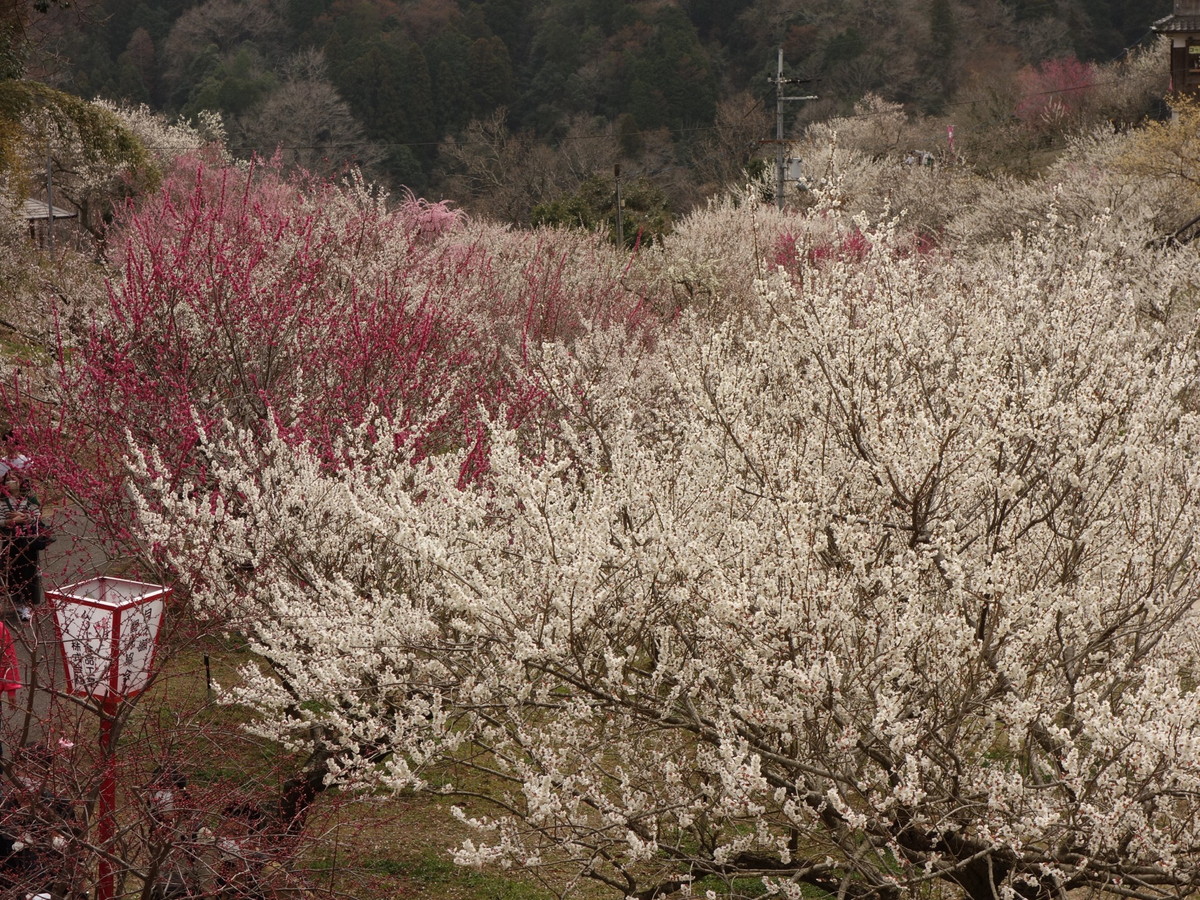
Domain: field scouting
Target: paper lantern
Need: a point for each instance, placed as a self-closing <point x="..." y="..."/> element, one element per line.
<point x="108" y="629"/>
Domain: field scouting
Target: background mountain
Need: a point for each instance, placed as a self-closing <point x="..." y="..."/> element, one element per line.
<point x="457" y="96"/>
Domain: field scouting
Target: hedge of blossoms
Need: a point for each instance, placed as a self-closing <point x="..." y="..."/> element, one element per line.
<point x="877" y="573"/>
<point x="247" y="296"/>
<point x="244" y="297"/>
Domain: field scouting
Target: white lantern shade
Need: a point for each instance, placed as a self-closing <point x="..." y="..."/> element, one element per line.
<point x="108" y="629"/>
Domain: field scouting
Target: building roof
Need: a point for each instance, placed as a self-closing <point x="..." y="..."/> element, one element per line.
<point x="40" y="209"/>
<point x="1174" y="24"/>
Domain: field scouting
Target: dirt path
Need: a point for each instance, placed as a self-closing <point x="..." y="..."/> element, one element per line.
<point x="25" y="718"/>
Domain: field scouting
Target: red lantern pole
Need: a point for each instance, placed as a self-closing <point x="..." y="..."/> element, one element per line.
<point x="108" y="629"/>
<point x="105" y="820"/>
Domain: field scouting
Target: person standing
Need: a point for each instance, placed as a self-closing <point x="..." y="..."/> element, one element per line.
<point x="10" y="667"/>
<point x="23" y="537"/>
<point x="11" y="458"/>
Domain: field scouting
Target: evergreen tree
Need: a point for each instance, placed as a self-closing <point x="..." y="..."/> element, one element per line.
<point x="446" y="55"/>
<point x="939" y="67"/>
<point x="387" y="85"/>
<point x="714" y="18"/>
<point x="646" y="216"/>
<point x="671" y="80"/>
<point x="231" y="86"/>
<point x="489" y="76"/>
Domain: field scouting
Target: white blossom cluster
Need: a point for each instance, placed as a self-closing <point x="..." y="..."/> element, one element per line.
<point x="885" y="577"/>
<point x="168" y="140"/>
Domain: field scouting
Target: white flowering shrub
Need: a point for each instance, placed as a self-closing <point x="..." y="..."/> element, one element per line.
<point x="882" y="579"/>
<point x="167" y="140"/>
<point x="93" y="160"/>
<point x="1090" y="180"/>
<point x="710" y="261"/>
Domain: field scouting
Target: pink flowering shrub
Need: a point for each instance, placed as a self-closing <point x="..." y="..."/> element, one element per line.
<point x="250" y="300"/>
<point x="1054" y="91"/>
<point x="432" y="220"/>
<point x="784" y="254"/>
<point x="850" y="247"/>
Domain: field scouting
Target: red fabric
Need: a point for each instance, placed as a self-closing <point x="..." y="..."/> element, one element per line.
<point x="10" y="668"/>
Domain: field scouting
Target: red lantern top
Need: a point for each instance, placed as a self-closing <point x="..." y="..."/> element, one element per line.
<point x="108" y="628"/>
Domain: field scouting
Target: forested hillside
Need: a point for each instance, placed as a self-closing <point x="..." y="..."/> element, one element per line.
<point x="508" y="106"/>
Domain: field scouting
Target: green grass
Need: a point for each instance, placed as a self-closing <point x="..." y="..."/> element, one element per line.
<point x="369" y="848"/>
<point x="434" y="875"/>
<point x="748" y="889"/>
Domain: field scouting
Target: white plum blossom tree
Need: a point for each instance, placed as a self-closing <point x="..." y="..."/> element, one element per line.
<point x="885" y="579"/>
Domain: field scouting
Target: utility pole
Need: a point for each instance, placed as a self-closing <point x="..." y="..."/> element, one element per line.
<point x="49" y="196"/>
<point x="780" y="163"/>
